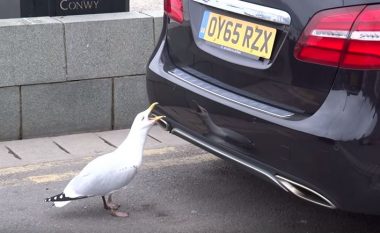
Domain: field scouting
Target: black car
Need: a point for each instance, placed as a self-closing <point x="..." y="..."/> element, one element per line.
<point x="289" y="89"/>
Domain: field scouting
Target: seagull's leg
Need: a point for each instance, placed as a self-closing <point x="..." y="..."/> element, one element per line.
<point x="112" y="205"/>
<point x="105" y="203"/>
<point x="109" y="205"/>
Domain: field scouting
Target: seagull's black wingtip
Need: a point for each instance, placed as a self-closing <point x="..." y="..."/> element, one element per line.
<point x="62" y="197"/>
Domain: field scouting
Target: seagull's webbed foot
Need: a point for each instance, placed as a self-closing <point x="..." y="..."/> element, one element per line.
<point x="117" y="213"/>
<point x="109" y="205"/>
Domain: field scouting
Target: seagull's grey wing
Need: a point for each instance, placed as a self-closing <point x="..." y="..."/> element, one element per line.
<point x="100" y="177"/>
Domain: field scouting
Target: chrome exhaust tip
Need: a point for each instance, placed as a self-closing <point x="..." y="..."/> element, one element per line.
<point x="305" y="193"/>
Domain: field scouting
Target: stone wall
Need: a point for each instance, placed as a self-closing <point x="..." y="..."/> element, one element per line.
<point x="73" y="74"/>
<point x="10" y="9"/>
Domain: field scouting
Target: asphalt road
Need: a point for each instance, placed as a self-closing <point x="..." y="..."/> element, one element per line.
<point x="178" y="189"/>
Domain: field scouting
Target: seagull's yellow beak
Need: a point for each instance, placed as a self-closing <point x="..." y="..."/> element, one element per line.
<point x="150" y="109"/>
<point x="157" y="118"/>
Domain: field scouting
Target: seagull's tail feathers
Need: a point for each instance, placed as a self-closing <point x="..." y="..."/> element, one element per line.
<point x="60" y="204"/>
<point x="60" y="200"/>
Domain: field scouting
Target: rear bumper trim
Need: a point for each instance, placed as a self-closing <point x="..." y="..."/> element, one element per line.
<point x="229" y="96"/>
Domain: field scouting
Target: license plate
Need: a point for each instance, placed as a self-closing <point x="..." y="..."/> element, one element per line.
<point x="239" y="35"/>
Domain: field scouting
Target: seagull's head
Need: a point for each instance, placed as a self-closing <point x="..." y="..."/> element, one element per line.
<point x="144" y="120"/>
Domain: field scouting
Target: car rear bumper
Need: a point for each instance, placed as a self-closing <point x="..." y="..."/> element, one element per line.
<point x="330" y="156"/>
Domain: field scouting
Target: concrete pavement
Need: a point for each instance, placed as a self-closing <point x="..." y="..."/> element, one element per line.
<point x="68" y="147"/>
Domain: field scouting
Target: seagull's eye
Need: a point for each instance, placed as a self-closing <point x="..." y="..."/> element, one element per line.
<point x="143" y="118"/>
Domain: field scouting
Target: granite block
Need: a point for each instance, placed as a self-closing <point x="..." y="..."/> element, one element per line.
<point x="31" y="51"/>
<point x="158" y="22"/>
<point x="10" y="113"/>
<point x="130" y="98"/>
<point x="107" y="45"/>
<point x="58" y="108"/>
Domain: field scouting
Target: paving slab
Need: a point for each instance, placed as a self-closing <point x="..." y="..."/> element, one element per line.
<point x="6" y="159"/>
<point x="83" y="144"/>
<point x="33" y="151"/>
<point x="157" y="138"/>
<point x="116" y="137"/>
<point x="167" y="138"/>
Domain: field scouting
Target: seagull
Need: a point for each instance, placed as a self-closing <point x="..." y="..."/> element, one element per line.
<point x="110" y="172"/>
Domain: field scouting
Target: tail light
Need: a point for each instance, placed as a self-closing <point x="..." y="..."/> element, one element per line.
<point x="174" y="9"/>
<point x="344" y="37"/>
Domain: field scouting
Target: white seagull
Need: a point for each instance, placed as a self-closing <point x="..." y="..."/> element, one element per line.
<point x="110" y="172"/>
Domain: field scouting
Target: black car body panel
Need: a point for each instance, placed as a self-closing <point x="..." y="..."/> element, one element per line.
<point x="315" y="125"/>
<point x="302" y="91"/>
